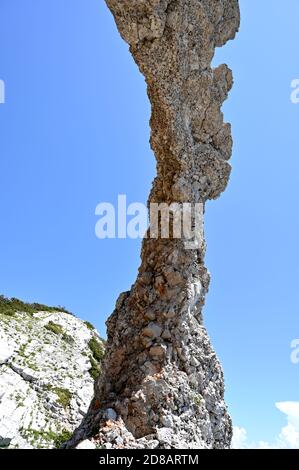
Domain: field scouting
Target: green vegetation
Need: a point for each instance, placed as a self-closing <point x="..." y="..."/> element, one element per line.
<point x="48" y="387"/>
<point x="96" y="348"/>
<point x="39" y="438"/>
<point x="96" y="357"/>
<point x="19" y="400"/>
<point x="32" y="366"/>
<point x="56" y="329"/>
<point x="61" y="438"/>
<point x="10" y="306"/>
<point x="95" y="368"/>
<point x="68" y="338"/>
<point x="89" y="325"/>
<point x="21" y="351"/>
<point x="64" y="396"/>
<point x="197" y="400"/>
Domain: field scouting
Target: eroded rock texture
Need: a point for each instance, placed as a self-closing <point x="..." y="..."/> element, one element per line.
<point x="162" y="385"/>
<point x="48" y="362"/>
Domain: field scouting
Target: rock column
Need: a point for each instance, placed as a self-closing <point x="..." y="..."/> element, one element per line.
<point x="162" y="385"/>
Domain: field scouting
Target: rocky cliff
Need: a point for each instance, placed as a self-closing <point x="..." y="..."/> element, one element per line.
<point x="162" y="385"/>
<point x="48" y="362"/>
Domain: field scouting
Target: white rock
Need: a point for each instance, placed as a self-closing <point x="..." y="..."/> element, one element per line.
<point x="167" y="421"/>
<point x="45" y="384"/>
<point x="164" y="435"/>
<point x="5" y="350"/>
<point x="86" y="445"/>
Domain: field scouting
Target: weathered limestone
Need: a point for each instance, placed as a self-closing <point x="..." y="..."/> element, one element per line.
<point x="161" y="376"/>
<point x="47" y="373"/>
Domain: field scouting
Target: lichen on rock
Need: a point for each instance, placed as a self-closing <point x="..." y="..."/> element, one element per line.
<point x="161" y="377"/>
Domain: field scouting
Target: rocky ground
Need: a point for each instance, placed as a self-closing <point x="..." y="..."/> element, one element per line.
<point x="48" y="362"/>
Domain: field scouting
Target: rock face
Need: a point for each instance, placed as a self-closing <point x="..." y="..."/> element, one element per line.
<point x="162" y="385"/>
<point x="47" y="370"/>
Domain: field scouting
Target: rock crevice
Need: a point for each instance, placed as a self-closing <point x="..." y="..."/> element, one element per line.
<point x="161" y="376"/>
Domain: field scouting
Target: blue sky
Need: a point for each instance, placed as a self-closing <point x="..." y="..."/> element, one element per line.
<point x="74" y="132"/>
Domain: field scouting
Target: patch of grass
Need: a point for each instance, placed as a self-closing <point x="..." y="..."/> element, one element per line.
<point x="61" y="438"/>
<point x="95" y="369"/>
<point x="68" y="339"/>
<point x="10" y="306"/>
<point x="19" y="400"/>
<point x="64" y="396"/>
<point x="21" y="351"/>
<point x="89" y="325"/>
<point x="32" y="366"/>
<point x="37" y="438"/>
<point x="97" y="354"/>
<point x="56" y="329"/>
<point x="96" y="348"/>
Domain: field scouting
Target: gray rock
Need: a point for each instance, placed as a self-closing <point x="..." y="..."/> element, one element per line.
<point x="153" y="330"/>
<point x="167" y="421"/>
<point x="157" y="351"/>
<point x="111" y="414"/>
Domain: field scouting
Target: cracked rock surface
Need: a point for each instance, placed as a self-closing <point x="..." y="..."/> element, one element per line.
<point x="162" y="385"/>
<point x="46" y="380"/>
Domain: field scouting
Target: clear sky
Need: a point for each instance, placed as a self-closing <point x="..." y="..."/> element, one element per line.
<point x="74" y="132"/>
